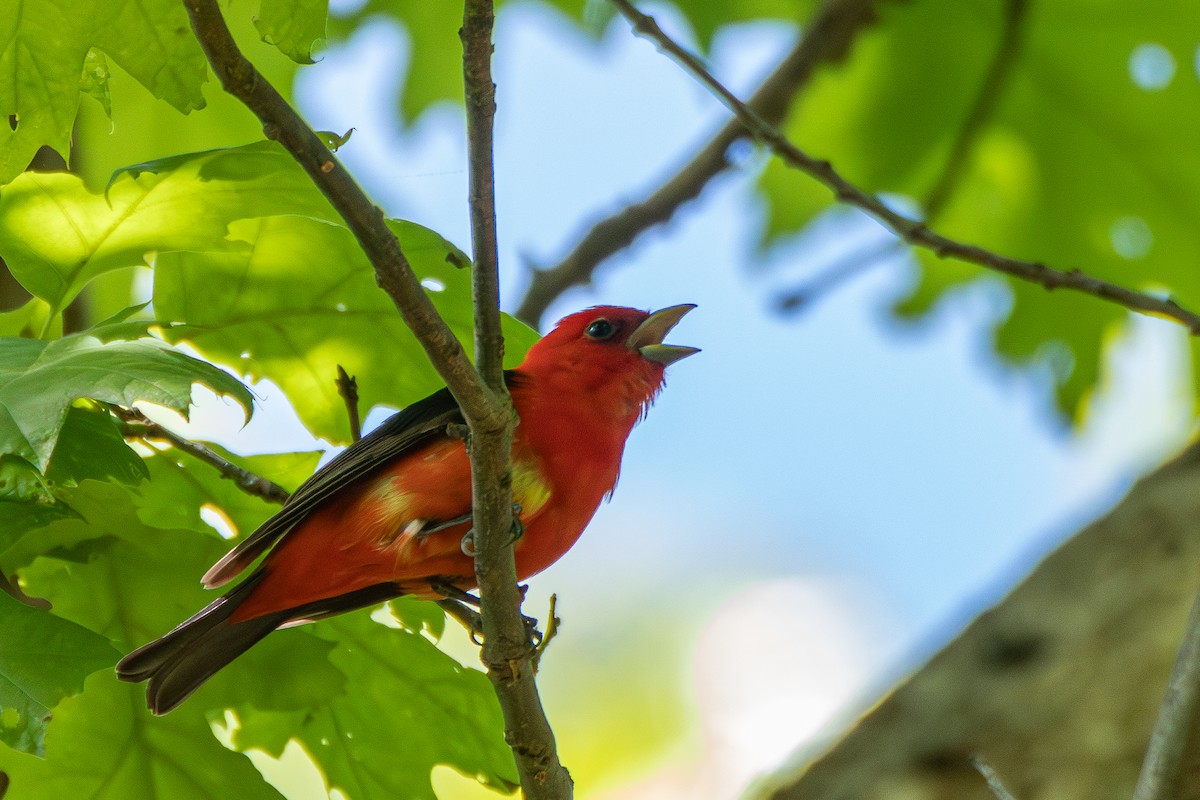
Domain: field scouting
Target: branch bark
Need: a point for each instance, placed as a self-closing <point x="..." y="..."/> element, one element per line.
<point x="508" y="649"/>
<point x="913" y="232"/>
<point x="827" y="37"/>
<point x="136" y="425"/>
<point x="1056" y="687"/>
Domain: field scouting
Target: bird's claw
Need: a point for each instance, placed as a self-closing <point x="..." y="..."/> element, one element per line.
<point x="518" y="527"/>
<point x="518" y="530"/>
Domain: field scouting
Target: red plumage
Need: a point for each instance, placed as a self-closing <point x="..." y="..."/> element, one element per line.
<point x="387" y="517"/>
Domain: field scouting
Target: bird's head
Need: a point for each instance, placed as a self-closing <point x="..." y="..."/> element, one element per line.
<point x="610" y="351"/>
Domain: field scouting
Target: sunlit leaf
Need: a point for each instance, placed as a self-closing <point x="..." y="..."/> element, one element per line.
<point x="44" y="47"/>
<point x="354" y="740"/>
<point x="39" y="380"/>
<point x="299" y="299"/>
<point x="43" y="659"/>
<point x="294" y="26"/>
<point x="56" y="235"/>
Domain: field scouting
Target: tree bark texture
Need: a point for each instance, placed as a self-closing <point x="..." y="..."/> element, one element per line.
<point x="1056" y="688"/>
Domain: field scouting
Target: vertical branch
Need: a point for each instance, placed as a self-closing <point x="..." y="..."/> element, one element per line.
<point x="480" y="92"/>
<point x="1174" y="738"/>
<point x="508" y="648"/>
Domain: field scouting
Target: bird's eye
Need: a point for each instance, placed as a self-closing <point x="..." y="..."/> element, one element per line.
<point x="600" y="329"/>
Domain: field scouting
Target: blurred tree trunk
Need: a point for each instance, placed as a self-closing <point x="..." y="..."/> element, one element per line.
<point x="1056" y="688"/>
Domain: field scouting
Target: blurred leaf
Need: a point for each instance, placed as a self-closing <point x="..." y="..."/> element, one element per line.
<point x="419" y="616"/>
<point x="91" y="446"/>
<point x="294" y="26"/>
<point x="299" y="298"/>
<point x="1080" y="162"/>
<point x="352" y="736"/>
<point x="39" y="380"/>
<point x="43" y="659"/>
<point x="44" y="50"/>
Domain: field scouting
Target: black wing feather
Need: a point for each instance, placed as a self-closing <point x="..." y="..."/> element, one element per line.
<point x="413" y="426"/>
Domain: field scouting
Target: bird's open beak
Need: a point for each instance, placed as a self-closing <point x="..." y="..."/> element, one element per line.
<point x="647" y="338"/>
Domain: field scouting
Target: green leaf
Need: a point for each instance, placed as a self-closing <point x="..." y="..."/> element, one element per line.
<point x="180" y="487"/>
<point x="294" y="26"/>
<point x="44" y="659"/>
<point x="91" y="446"/>
<point x="56" y="235"/>
<point x="20" y="517"/>
<point x="103" y="746"/>
<point x="39" y="380"/>
<point x="299" y="298"/>
<point x="353" y="736"/>
<point x="94" y="81"/>
<point x="44" y="49"/>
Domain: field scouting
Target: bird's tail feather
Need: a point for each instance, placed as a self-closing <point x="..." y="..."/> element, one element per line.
<point x="181" y="661"/>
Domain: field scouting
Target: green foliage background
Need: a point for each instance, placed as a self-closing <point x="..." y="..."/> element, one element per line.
<point x="1070" y="161"/>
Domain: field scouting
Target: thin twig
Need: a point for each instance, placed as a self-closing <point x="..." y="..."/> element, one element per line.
<point x="347" y="386"/>
<point x="10" y="587"/>
<point x="507" y="644"/>
<point x="991" y="90"/>
<point x="993" y="780"/>
<point x="915" y="233"/>
<point x="392" y="270"/>
<point x="136" y="425"/>
<point x="834" y="275"/>
<point x="552" y="623"/>
<point x="827" y="37"/>
<point x="1173" y="737"/>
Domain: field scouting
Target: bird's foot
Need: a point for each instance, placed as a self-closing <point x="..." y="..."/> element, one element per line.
<point x="518" y="530"/>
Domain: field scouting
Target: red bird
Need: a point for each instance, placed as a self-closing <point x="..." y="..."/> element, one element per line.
<point x="388" y="516"/>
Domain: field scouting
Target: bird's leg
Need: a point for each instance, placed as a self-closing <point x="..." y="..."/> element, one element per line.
<point x="468" y="616"/>
<point x="458" y="604"/>
<point x="433" y="526"/>
<point x="452" y="592"/>
<point x="468" y="540"/>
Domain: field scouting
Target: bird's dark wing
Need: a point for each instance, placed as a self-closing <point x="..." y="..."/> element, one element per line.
<point x="417" y="424"/>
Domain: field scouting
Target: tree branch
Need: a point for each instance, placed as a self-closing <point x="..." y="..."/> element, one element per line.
<point x="827" y="37"/>
<point x="915" y="233"/>
<point x="392" y="270"/>
<point x="136" y="425"/>
<point x="991" y="89"/>
<point x="1174" y="734"/>
<point x="508" y="648"/>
